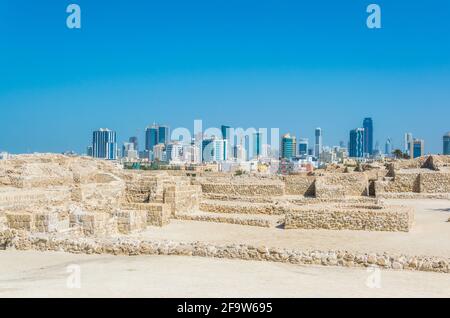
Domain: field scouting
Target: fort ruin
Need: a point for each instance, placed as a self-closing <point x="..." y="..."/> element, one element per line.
<point x="78" y="204"/>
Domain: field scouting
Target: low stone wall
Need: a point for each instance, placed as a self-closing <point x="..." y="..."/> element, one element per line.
<point x="341" y="185"/>
<point x="351" y="217"/>
<point x="224" y="219"/>
<point x="300" y="185"/>
<point x="24" y="241"/>
<point x="182" y="198"/>
<point x="242" y="207"/>
<point x="435" y="182"/>
<point x="37" y="222"/>
<point x="158" y="214"/>
<point x="94" y="223"/>
<point x="246" y="189"/>
<point x="129" y="221"/>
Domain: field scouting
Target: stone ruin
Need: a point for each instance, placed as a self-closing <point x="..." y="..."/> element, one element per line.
<point x="87" y="197"/>
<point x="83" y="196"/>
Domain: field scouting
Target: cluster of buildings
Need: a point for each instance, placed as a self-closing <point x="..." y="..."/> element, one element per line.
<point x="250" y="151"/>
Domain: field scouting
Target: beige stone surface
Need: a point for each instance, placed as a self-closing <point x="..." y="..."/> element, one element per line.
<point x="429" y="228"/>
<point x="36" y="274"/>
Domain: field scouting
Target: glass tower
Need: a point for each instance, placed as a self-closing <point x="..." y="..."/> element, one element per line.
<point x="368" y="136"/>
<point x="356" y="149"/>
<point x="104" y="144"/>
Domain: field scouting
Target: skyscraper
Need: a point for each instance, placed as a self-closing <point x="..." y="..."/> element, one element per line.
<point x="288" y="146"/>
<point x="163" y="135"/>
<point x="408" y="142"/>
<point x="368" y="135"/>
<point x="356" y="149"/>
<point x="388" y="147"/>
<point x="214" y="150"/>
<point x="318" y="144"/>
<point x="418" y="148"/>
<point x="446" y="140"/>
<point x="257" y="144"/>
<point x="303" y="146"/>
<point x="156" y="134"/>
<point x="151" y="137"/>
<point x="134" y="141"/>
<point x="104" y="144"/>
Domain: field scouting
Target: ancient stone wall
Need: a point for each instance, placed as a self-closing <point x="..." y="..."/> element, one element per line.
<point x="434" y="182"/>
<point x="351" y="217"/>
<point x="182" y="198"/>
<point x="300" y="185"/>
<point x="341" y="185"/>
<point x="25" y="241"/>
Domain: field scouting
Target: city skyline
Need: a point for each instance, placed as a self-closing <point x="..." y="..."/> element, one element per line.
<point x="294" y="66"/>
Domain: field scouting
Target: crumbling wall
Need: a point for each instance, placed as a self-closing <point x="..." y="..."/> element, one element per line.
<point x="351" y="217"/>
<point x="300" y="185"/>
<point x="341" y="185"/>
<point x="182" y="198"/>
<point x="434" y="182"/>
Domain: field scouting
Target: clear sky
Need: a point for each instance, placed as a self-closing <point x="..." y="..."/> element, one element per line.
<point x="294" y="65"/>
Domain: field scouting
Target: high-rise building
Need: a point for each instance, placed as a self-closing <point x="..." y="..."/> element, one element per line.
<point x="368" y="135"/>
<point x="356" y="145"/>
<point x="128" y="151"/>
<point x="104" y="144"/>
<point x="388" y="147"/>
<point x="226" y="135"/>
<point x="318" y="143"/>
<point x="303" y="146"/>
<point x="174" y="151"/>
<point x="408" y="142"/>
<point x="151" y="137"/>
<point x="418" y="148"/>
<point x="214" y="150"/>
<point x="135" y="142"/>
<point x="446" y="140"/>
<point x="156" y="134"/>
<point x="163" y="135"/>
<point x="257" y="144"/>
<point x="288" y="146"/>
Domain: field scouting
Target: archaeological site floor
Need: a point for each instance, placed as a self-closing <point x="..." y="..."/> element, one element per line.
<point x="430" y="228"/>
<point x="44" y="274"/>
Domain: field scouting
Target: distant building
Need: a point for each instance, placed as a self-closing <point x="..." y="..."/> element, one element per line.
<point x="159" y="153"/>
<point x="318" y="143"/>
<point x="214" y="150"/>
<point x="90" y="151"/>
<point x="303" y="146"/>
<point x="257" y="145"/>
<point x="418" y="148"/>
<point x="104" y="144"/>
<point x="174" y="152"/>
<point x="388" y="147"/>
<point x="288" y="146"/>
<point x="151" y="137"/>
<point x="135" y="142"/>
<point x="155" y="135"/>
<point x="239" y="153"/>
<point x="4" y="155"/>
<point x="446" y="140"/>
<point x="163" y="135"/>
<point x="356" y="146"/>
<point x="407" y="143"/>
<point x="129" y="152"/>
<point x="368" y="136"/>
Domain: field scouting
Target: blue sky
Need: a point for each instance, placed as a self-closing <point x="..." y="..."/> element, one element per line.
<point x="294" y="65"/>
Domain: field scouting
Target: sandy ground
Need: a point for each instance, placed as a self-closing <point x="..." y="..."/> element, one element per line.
<point x="430" y="234"/>
<point x="37" y="274"/>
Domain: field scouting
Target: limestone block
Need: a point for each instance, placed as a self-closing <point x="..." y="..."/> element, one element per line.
<point x="351" y="217"/>
<point x="129" y="221"/>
